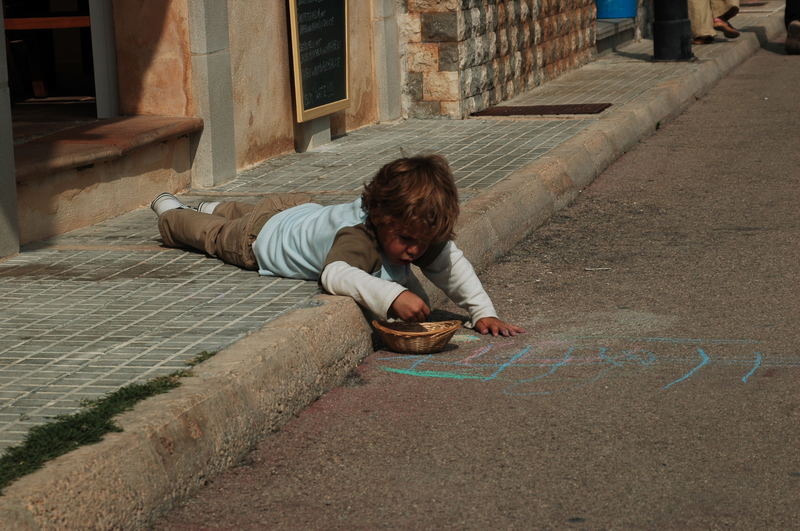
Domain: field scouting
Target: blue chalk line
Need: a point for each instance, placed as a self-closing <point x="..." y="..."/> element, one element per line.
<point x="756" y="365"/>
<point x="705" y="359"/>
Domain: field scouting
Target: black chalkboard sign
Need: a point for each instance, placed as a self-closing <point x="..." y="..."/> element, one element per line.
<point x="319" y="56"/>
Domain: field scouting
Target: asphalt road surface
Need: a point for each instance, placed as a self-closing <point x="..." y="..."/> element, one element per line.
<point x="657" y="386"/>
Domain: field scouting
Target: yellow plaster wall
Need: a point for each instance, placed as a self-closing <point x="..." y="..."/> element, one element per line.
<point x="261" y="68"/>
<point x="262" y="98"/>
<point x="154" y="69"/>
<point x="153" y="57"/>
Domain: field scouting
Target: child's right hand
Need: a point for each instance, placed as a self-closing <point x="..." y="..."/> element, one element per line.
<point x="496" y="327"/>
<point x="409" y="307"/>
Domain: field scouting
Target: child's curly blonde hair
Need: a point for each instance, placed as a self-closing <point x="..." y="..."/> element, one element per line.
<point x="414" y="192"/>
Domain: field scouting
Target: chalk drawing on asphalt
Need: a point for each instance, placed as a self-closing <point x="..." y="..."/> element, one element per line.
<point x="547" y="367"/>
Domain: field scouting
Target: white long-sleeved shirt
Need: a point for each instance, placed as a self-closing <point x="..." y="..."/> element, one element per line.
<point x="450" y="271"/>
<point x="333" y="244"/>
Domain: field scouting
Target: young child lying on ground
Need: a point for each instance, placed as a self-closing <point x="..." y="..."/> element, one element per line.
<point x="361" y="249"/>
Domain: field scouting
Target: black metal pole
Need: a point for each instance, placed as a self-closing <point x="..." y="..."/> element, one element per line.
<point x="672" y="31"/>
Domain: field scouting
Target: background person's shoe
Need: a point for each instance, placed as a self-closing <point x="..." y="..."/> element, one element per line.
<point x="726" y="28"/>
<point x="793" y="38"/>
<point x="207" y="207"/>
<point x="704" y="39"/>
<point x="166" y="201"/>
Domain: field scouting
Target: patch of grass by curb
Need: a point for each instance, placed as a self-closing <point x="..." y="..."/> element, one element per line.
<point x="203" y="356"/>
<point x="88" y="426"/>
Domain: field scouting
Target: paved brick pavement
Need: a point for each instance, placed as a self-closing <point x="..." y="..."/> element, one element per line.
<point x="87" y="312"/>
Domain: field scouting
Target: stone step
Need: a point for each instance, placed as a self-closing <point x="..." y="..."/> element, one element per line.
<point x="86" y="174"/>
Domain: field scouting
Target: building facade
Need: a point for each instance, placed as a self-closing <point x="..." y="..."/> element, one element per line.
<point x="186" y="93"/>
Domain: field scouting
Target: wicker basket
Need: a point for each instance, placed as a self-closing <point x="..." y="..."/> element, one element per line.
<point x="416" y="338"/>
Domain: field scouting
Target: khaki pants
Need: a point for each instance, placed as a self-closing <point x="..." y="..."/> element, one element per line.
<point x="228" y="233"/>
<point x="703" y="12"/>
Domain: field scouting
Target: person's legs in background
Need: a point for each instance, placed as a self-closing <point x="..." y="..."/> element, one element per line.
<point x="702" y="21"/>
<point x="791" y="17"/>
<point x="723" y="11"/>
<point x="791" y="12"/>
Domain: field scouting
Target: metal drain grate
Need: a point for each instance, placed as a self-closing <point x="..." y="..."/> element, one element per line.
<point x="527" y="110"/>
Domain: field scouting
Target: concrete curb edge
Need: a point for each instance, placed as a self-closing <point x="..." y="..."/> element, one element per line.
<point x="171" y="442"/>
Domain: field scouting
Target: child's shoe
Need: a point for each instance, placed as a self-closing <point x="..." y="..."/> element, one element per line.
<point x="166" y="201"/>
<point x="793" y="38"/>
<point x="207" y="207"/>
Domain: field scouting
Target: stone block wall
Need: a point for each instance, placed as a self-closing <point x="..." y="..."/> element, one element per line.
<point x="462" y="56"/>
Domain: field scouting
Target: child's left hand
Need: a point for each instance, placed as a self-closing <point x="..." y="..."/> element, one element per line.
<point x="496" y="327"/>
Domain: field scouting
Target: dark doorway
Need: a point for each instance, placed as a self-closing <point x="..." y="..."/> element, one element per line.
<point x="50" y="70"/>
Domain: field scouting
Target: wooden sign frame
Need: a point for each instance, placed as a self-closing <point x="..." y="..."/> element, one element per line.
<point x="303" y="113"/>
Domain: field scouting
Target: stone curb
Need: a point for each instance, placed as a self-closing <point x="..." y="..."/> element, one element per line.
<point x="172" y="442"/>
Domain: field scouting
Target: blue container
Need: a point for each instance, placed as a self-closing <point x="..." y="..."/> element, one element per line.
<point x="616" y="8"/>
